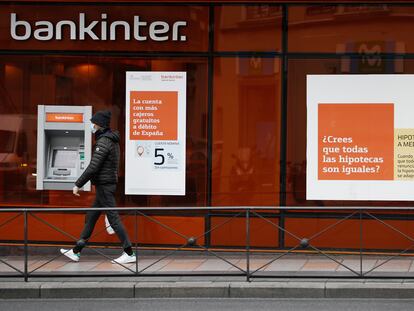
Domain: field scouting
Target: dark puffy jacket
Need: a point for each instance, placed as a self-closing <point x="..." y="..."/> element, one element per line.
<point x="103" y="168"/>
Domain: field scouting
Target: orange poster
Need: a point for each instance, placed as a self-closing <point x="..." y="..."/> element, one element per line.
<point x="153" y="115"/>
<point x="356" y="141"/>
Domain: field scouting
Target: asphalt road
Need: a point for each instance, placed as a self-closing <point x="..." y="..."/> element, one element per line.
<point x="207" y="304"/>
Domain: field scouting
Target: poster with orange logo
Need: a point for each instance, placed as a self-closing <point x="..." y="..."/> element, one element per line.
<point x="155" y="133"/>
<point x="360" y="137"/>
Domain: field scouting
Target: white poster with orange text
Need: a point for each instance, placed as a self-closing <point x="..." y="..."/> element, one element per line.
<point x="360" y="137"/>
<point x="155" y="131"/>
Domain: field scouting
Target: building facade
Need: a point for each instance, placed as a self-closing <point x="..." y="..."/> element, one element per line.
<point x="246" y="65"/>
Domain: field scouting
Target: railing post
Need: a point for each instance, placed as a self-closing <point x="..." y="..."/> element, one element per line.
<point x="26" y="275"/>
<point x="248" y="245"/>
<point x="136" y="243"/>
<point x="360" y="243"/>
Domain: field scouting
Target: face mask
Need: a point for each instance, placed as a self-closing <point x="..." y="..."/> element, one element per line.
<point x="93" y="128"/>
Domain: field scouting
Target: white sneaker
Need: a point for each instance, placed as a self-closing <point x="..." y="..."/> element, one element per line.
<point x="125" y="258"/>
<point x="70" y="254"/>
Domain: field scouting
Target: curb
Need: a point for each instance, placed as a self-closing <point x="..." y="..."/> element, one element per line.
<point x="18" y="290"/>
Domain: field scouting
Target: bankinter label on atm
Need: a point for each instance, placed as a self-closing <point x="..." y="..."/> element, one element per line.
<point x="64" y="117"/>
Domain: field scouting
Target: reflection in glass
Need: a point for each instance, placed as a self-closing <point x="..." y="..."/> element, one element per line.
<point x="8" y="139"/>
<point x="246" y="131"/>
<point x="235" y="26"/>
<point x="367" y="29"/>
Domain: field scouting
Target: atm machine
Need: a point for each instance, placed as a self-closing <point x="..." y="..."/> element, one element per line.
<point x="63" y="146"/>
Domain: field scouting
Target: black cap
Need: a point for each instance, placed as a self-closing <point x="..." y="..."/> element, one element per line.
<point x="102" y="118"/>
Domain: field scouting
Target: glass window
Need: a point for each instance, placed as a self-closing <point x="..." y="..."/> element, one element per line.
<point x="296" y="119"/>
<point x="246" y="131"/>
<point x="26" y="82"/>
<point x="236" y="26"/>
<point x="21" y="85"/>
<point x="100" y="82"/>
<point x="347" y="234"/>
<point x="232" y="232"/>
<point x="365" y="29"/>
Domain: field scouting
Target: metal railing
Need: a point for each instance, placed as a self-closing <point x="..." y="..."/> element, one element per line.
<point x="265" y="214"/>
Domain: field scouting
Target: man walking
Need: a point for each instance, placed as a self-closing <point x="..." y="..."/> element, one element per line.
<point x="102" y="171"/>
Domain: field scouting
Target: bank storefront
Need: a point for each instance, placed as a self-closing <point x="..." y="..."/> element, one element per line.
<point x="246" y="67"/>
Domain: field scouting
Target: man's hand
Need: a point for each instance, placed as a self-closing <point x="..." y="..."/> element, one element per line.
<point x="76" y="191"/>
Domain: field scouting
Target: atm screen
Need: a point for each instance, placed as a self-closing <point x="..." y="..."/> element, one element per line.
<point x="64" y="158"/>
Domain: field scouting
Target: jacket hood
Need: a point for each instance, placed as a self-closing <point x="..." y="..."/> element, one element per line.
<point x="113" y="135"/>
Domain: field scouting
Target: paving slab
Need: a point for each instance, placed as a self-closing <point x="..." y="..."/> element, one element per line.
<point x="394" y="265"/>
<point x="83" y="266"/>
<point x="152" y="264"/>
<point x="286" y="265"/>
<point x="107" y="266"/>
<point x="17" y="262"/>
<point x="254" y="264"/>
<point x="320" y="265"/>
<point x="45" y="266"/>
<point x="176" y="265"/>
<point x="216" y="265"/>
<point x="355" y="264"/>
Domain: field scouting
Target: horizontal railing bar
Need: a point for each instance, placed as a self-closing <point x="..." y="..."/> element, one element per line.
<point x="329" y="276"/>
<point x="83" y="209"/>
<point x="256" y="276"/>
<point x="129" y="275"/>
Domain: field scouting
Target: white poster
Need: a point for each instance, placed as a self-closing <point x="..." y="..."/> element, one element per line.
<point x="155" y="131"/>
<point x="360" y="137"/>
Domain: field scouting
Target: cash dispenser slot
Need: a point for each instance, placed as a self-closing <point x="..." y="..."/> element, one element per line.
<point x="61" y="172"/>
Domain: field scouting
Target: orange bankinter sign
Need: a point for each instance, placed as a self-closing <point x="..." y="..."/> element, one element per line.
<point x="64" y="117"/>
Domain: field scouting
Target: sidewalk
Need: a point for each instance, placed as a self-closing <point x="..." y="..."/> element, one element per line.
<point x="163" y="279"/>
